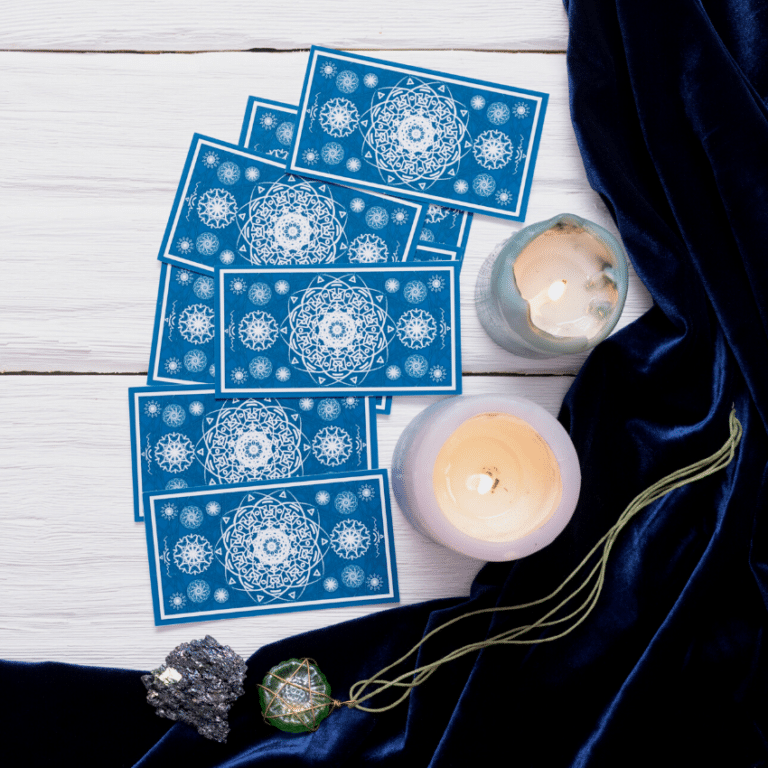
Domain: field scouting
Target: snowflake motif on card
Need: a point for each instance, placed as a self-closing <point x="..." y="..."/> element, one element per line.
<point x="393" y="372"/>
<point x="152" y="408"/>
<point x="203" y="288"/>
<point x="193" y="554"/>
<point x="503" y="197"/>
<point x="207" y="244"/>
<point x="416" y="133"/>
<point x="306" y="403"/>
<point x="460" y="186"/>
<point x="228" y="173"/>
<point x="498" y="113"/>
<point x="436" y="213"/>
<point x="416" y="328"/>
<point x="377" y="217"/>
<point x="521" y="110"/>
<point x="173" y="366"/>
<point x="191" y="517"/>
<point x="370" y="80"/>
<point x="174" y="415"/>
<point x="337" y="330"/>
<point x="353" y="576"/>
<point x="260" y="294"/>
<point x="258" y="331"/>
<point x="415" y="292"/>
<point x="169" y="511"/>
<point x="282" y="287"/>
<point x="366" y="492"/>
<point x="217" y="208"/>
<point x="436" y="283"/>
<point x="345" y="503"/>
<point x="239" y="376"/>
<point x="252" y="173"/>
<point x="226" y="257"/>
<point x="212" y="370"/>
<point x="339" y="117"/>
<point x="210" y="159"/>
<point x="177" y="601"/>
<point x="184" y="277"/>
<point x="392" y="285"/>
<point x="185" y="246"/>
<point x="330" y="584"/>
<point x="332" y="153"/>
<point x="438" y="373"/>
<point x="492" y="149"/>
<point x="196" y="324"/>
<point x="310" y="156"/>
<point x="416" y="366"/>
<point x="332" y="446"/>
<point x="368" y="249"/>
<point x="328" y="409"/>
<point x="477" y="102"/>
<point x="354" y="164"/>
<point x="357" y="205"/>
<point x="328" y="69"/>
<point x="221" y="595"/>
<point x="196" y="408"/>
<point x="198" y="591"/>
<point x="350" y="539"/>
<point x="292" y="221"/>
<point x="350" y="402"/>
<point x="252" y="440"/>
<point x="268" y="121"/>
<point x="374" y="582"/>
<point x="322" y="498"/>
<point x="271" y="548"/>
<point x="284" y="133"/>
<point x="347" y="81"/>
<point x="400" y="216"/>
<point x="213" y="508"/>
<point x="195" y="361"/>
<point x="484" y="185"/>
<point x="176" y="484"/>
<point x="174" y="452"/>
<point x="237" y="285"/>
<point x="260" y="368"/>
<point x="283" y="374"/>
<point x="426" y="236"/>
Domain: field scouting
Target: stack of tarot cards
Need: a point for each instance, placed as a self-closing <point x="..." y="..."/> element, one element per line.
<point x="310" y="274"/>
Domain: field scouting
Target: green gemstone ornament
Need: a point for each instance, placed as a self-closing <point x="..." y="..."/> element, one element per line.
<point x="295" y="696"/>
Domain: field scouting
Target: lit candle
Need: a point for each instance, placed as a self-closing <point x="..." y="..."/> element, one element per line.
<point x="494" y="477"/>
<point x="554" y="288"/>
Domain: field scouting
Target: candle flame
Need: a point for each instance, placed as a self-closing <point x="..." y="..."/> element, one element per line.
<point x="556" y="290"/>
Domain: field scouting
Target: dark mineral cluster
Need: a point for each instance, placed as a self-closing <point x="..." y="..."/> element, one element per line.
<point x="197" y="685"/>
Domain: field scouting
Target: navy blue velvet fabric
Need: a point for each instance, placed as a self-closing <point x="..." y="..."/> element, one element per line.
<point x="668" y="101"/>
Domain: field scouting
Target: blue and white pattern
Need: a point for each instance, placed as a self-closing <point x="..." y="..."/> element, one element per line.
<point x="322" y="498"/>
<point x="193" y="554"/>
<point x="152" y="408"/>
<point x="332" y="446"/>
<point x="306" y="403"/>
<point x="228" y="173"/>
<point x="173" y="366"/>
<point x="366" y="492"/>
<point x="260" y="294"/>
<point x="416" y="328"/>
<point x="374" y="582"/>
<point x="217" y="209"/>
<point x="332" y="153"/>
<point x="350" y="539"/>
<point x="196" y="408"/>
<point x="484" y="185"/>
<point x="203" y="288"/>
<point x="353" y="576"/>
<point x="195" y="361"/>
<point x="191" y="517"/>
<point x="377" y="217"/>
<point x="198" y="591"/>
<point x="196" y="324"/>
<point x="260" y="367"/>
<point x="284" y="133"/>
<point x="207" y="244"/>
<point x="328" y="409"/>
<point x="368" y="249"/>
<point x="213" y="508"/>
<point x="357" y="205"/>
<point x="258" y="331"/>
<point x="345" y="503"/>
<point x="174" y="452"/>
<point x="416" y="366"/>
<point x="417" y="133"/>
<point x="415" y="292"/>
<point x="221" y="595"/>
<point x="330" y="584"/>
<point x="174" y="415"/>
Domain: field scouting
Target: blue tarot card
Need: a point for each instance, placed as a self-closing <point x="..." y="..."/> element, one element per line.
<point x="375" y="330"/>
<point x="271" y="547"/>
<point x="416" y="133"/>
<point x="183" y="437"/>
<point x="232" y="204"/>
<point x="268" y="128"/>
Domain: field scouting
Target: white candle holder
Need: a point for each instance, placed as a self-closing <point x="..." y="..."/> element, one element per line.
<point x="494" y="477"/>
<point x="554" y="288"/>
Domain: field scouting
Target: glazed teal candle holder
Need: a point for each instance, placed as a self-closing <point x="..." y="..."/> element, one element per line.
<point x="554" y="288"/>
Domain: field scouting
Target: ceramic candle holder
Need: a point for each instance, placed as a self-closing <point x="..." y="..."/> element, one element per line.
<point x="554" y="288"/>
<point x="494" y="477"/>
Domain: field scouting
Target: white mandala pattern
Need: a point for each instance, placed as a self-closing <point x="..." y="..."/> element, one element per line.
<point x="328" y="409"/>
<point x="174" y="452"/>
<point x="330" y="584"/>
<point x="221" y="595"/>
<point x="366" y="492"/>
<point x="210" y="159"/>
<point x="332" y="446"/>
<point x="521" y="110"/>
<point x="415" y="292"/>
<point x="198" y="591"/>
<point x="332" y="153"/>
<point x="226" y="257"/>
<point x="260" y="294"/>
<point x="484" y="185"/>
<point x="416" y="133"/>
<point x="207" y="244"/>
<point x="350" y="402"/>
<point x="393" y="373"/>
<point x="436" y="213"/>
<point x="152" y="408"/>
<point x="283" y="374"/>
<point x="416" y="328"/>
<point x="492" y="149"/>
<point x="322" y="498"/>
<point x="353" y="576"/>
<point x="184" y="277"/>
<point x="310" y="156"/>
<point x="228" y="173"/>
<point x="191" y="517"/>
<point x="239" y="375"/>
<point x="339" y="117"/>
<point x="193" y="554"/>
<point x="217" y="208"/>
<point x="436" y="283"/>
<point x="284" y="133"/>
<point x="293" y="222"/>
<point x="374" y="582"/>
<point x="177" y="601"/>
<point x="252" y="173"/>
<point x="377" y="217"/>
<point x="260" y="368"/>
<point x="368" y="249"/>
<point x="357" y="205"/>
<point x="252" y="440"/>
<point x="282" y="287"/>
<point x="203" y="288"/>
<point x="196" y="408"/>
<point x="169" y="511"/>
<point x="328" y="69"/>
<point x="438" y="373"/>
<point x="306" y="403"/>
<point x="345" y="502"/>
<point x="173" y="365"/>
<point x="271" y="549"/>
<point x="195" y="361"/>
<point x="498" y="113"/>
<point x="237" y="285"/>
<point x="503" y="197"/>
<point x="337" y="330"/>
<point x="268" y="121"/>
<point x="176" y="484"/>
<point x="416" y="366"/>
<point x="392" y="285"/>
<point x="370" y="80"/>
<point x="350" y="539"/>
<point x="354" y="164"/>
<point x="258" y="331"/>
<point x="460" y="186"/>
<point x="426" y="236"/>
<point x="174" y="415"/>
<point x="347" y="81"/>
<point x="185" y="245"/>
<point x="196" y="324"/>
<point x="400" y="216"/>
<point x="477" y="102"/>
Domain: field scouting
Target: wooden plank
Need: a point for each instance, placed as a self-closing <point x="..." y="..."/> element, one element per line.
<point x="94" y="149"/>
<point x="175" y="25"/>
<point x="73" y="563"/>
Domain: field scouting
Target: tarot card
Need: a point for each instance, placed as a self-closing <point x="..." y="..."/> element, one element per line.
<point x="183" y="437"/>
<point x="373" y="330"/>
<point x="232" y="205"/>
<point x="417" y="133"/>
<point x="270" y="547"/>
<point x="268" y="128"/>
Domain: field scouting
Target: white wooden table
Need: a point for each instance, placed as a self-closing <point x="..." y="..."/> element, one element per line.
<point x="98" y="102"/>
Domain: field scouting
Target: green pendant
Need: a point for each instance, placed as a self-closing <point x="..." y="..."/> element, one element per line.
<point x="295" y="696"/>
